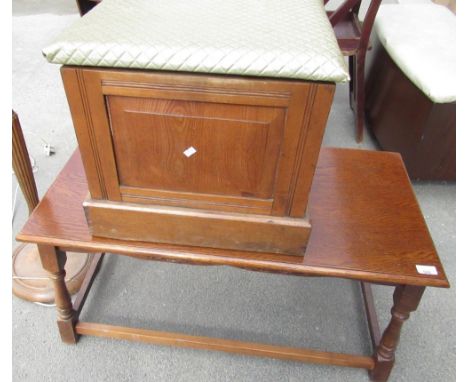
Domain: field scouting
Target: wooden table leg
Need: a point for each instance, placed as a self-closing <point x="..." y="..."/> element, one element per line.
<point x="53" y="260"/>
<point x="405" y="300"/>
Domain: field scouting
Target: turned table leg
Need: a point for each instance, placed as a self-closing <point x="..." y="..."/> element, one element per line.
<point x="405" y="300"/>
<point x="53" y="260"/>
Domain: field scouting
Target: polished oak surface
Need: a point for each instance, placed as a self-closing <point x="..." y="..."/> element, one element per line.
<point x="366" y="225"/>
<point x="232" y="146"/>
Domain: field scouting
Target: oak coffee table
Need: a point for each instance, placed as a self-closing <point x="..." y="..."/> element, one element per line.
<point x="199" y="125"/>
<point x="366" y="226"/>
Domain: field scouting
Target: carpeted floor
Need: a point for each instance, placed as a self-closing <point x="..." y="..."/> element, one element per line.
<point x="219" y="301"/>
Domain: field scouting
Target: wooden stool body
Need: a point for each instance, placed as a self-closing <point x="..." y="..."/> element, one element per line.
<point x="205" y="160"/>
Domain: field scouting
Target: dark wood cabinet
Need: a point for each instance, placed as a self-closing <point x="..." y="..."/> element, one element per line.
<point x="404" y="120"/>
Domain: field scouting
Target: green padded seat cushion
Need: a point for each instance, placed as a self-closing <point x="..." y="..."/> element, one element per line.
<point x="266" y="38"/>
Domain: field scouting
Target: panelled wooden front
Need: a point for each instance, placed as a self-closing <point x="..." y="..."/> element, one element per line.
<point x="233" y="148"/>
<point x="204" y="160"/>
<point x="255" y="141"/>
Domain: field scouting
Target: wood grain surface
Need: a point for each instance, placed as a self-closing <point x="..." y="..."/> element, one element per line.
<point x="175" y="225"/>
<point x="366" y="225"/>
<point x="234" y="144"/>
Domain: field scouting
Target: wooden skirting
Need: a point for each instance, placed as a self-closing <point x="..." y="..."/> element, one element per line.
<point x="175" y="225"/>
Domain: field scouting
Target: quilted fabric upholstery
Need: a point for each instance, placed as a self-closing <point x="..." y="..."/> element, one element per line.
<point x="268" y="38"/>
<point x="421" y="41"/>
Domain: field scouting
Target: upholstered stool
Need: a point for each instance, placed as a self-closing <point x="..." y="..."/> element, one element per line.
<point x="200" y="122"/>
<point x="411" y="88"/>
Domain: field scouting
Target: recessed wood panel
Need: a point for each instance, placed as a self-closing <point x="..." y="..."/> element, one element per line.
<point x="196" y="147"/>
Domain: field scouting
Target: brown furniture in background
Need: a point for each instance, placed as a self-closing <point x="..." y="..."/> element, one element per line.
<point x="405" y="120"/>
<point x="384" y="243"/>
<point x="198" y="159"/>
<point x="353" y="39"/>
<point x="30" y="281"/>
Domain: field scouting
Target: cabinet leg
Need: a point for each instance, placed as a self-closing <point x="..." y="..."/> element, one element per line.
<point x="53" y="260"/>
<point x="405" y="300"/>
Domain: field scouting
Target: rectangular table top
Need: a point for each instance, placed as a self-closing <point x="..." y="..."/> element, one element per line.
<point x="366" y="225"/>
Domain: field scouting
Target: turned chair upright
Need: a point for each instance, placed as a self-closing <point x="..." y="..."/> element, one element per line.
<point x="84" y="6"/>
<point x="353" y="39"/>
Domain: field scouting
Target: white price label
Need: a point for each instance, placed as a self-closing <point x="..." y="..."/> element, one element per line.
<point x="190" y="151"/>
<point x="427" y="270"/>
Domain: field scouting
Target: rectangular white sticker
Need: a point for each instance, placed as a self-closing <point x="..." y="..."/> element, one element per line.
<point x="190" y="151"/>
<point x="427" y="269"/>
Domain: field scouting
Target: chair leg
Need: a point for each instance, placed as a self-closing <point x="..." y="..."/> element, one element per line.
<point x="359" y="97"/>
<point x="352" y="68"/>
